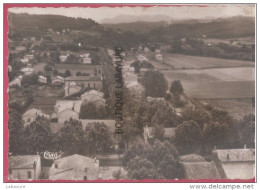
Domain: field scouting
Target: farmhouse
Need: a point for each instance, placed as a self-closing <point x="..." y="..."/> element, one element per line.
<point x="24" y="167"/>
<point x="235" y="163"/>
<point x="30" y="115"/>
<point x="86" y="69"/>
<point x="159" y="57"/>
<point x="196" y="167"/>
<point x="16" y="81"/>
<point x="74" y="167"/>
<point x="83" y="82"/>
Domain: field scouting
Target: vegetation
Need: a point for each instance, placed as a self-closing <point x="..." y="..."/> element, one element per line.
<point x="92" y="111"/>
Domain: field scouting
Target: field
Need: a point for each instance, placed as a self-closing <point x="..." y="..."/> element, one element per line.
<point x="230" y="88"/>
<point x="195" y="62"/>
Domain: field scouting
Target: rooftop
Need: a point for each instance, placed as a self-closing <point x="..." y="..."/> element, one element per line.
<point x="235" y="155"/>
<point x="77" y="66"/>
<point x="22" y="161"/>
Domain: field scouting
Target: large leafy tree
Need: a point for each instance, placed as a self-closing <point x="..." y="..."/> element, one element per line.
<point x="158" y="160"/>
<point x="176" y="88"/>
<point x="215" y="134"/>
<point x="38" y="135"/>
<point x="70" y="138"/>
<point x="98" y="138"/>
<point x="16" y="135"/>
<point x="155" y="83"/>
<point x="188" y="137"/>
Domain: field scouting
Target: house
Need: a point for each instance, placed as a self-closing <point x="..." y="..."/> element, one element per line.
<point x="93" y="82"/>
<point x="93" y="96"/>
<point x="86" y="60"/>
<point x="30" y="115"/>
<point x="27" y="70"/>
<point x="74" y="167"/>
<point x="24" y="167"/>
<point x="66" y="109"/>
<point x="169" y="133"/>
<point x="235" y="163"/>
<point x="159" y="57"/>
<point x="141" y="58"/>
<point x="135" y="89"/>
<point x="24" y="60"/>
<point x="63" y="58"/>
<point x="29" y="56"/>
<point x="42" y="79"/>
<point x="130" y="77"/>
<point x="57" y="80"/>
<point x="196" y="167"/>
<point x="157" y="50"/>
<point x="110" y="52"/>
<point x="16" y="81"/>
<point x="87" y="69"/>
<point x="146" y="50"/>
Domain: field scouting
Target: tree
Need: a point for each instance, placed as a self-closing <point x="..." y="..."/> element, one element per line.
<point x="159" y="160"/>
<point x="70" y="138"/>
<point x="158" y="132"/>
<point x="67" y="73"/>
<point x="91" y="111"/>
<point x="215" y="134"/>
<point x="98" y="138"/>
<point x="16" y="133"/>
<point x="78" y="73"/>
<point x="188" y="137"/>
<point x="38" y="135"/>
<point x="176" y="88"/>
<point x="29" y="80"/>
<point x="47" y="68"/>
<point x="155" y="83"/>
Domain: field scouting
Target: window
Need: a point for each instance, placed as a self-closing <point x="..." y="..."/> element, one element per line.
<point x="29" y="174"/>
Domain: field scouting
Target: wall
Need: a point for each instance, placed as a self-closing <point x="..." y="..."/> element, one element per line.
<point x="21" y="174"/>
<point x="239" y="170"/>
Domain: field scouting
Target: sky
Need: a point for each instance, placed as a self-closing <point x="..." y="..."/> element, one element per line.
<point x="176" y="12"/>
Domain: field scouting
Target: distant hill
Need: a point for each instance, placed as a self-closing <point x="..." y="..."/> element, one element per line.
<point x="133" y="18"/>
<point x="25" y="21"/>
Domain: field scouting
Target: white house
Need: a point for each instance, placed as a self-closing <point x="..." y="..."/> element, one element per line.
<point x="63" y="58"/>
<point x="159" y="57"/>
<point x="57" y="80"/>
<point x="146" y="50"/>
<point x="157" y="50"/>
<point x="93" y="96"/>
<point x="135" y="89"/>
<point x="24" y="60"/>
<point x="29" y="56"/>
<point x="42" y="79"/>
<point x="74" y="167"/>
<point x="27" y="70"/>
<point x="24" y="167"/>
<point x="30" y="115"/>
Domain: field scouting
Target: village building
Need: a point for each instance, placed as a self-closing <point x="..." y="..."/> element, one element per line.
<point x="159" y="57"/>
<point x="146" y="50"/>
<point x="24" y="60"/>
<point x="141" y="58"/>
<point x="110" y="52"/>
<point x="24" y="167"/>
<point x="196" y="167"/>
<point x="57" y="80"/>
<point x="27" y="70"/>
<point x="86" y="60"/>
<point x="16" y="82"/>
<point x="66" y="109"/>
<point x="235" y="163"/>
<point x="91" y="82"/>
<point x="63" y="58"/>
<point x="42" y="79"/>
<point x="74" y="167"/>
<point x="84" y="69"/>
<point x="29" y="56"/>
<point x="136" y="90"/>
<point x="30" y="115"/>
<point x="93" y="96"/>
<point x="130" y="77"/>
<point x="157" y="50"/>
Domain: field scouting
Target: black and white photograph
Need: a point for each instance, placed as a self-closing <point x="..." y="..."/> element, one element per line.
<point x="131" y="93"/>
